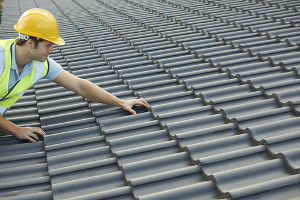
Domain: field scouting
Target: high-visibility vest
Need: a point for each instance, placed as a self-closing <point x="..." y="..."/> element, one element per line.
<point x="39" y="71"/>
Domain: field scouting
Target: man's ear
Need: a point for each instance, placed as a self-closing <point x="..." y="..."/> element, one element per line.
<point x="30" y="43"/>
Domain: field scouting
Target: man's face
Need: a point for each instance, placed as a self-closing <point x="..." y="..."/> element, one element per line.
<point x="42" y="52"/>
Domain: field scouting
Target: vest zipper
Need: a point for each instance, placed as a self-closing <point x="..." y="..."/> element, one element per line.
<point x="10" y="90"/>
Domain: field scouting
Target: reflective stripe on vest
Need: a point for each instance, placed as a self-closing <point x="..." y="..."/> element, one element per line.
<point x="39" y="71"/>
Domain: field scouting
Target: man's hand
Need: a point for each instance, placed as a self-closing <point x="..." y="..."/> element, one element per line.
<point x="127" y="105"/>
<point x="21" y="133"/>
<point x="28" y="133"/>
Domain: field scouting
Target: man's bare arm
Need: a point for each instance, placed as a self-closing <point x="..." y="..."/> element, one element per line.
<point x="95" y="93"/>
<point x="20" y="133"/>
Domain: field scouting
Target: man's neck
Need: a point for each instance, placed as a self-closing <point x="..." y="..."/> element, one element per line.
<point x="22" y="57"/>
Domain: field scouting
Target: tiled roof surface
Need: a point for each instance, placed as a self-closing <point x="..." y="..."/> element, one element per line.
<point x="222" y="80"/>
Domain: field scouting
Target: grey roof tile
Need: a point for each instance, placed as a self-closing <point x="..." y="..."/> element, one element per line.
<point x="206" y="134"/>
<point x="204" y="51"/>
<point x="285" y="95"/>
<point x="185" y="115"/>
<point x="131" y="142"/>
<point x="23" y="180"/>
<point x="58" y="163"/>
<point x="222" y="91"/>
<point x="88" y="186"/>
<point x="47" y="195"/>
<point x="238" y="99"/>
<point x="37" y="191"/>
<point x="237" y="41"/>
<point x="181" y="105"/>
<point x="69" y="125"/>
<point x="206" y="79"/>
<point x="274" y="133"/>
<point x="118" y="193"/>
<point x="157" y="92"/>
<point x="147" y="80"/>
<point x="283" y="32"/>
<point x="137" y="69"/>
<point x="62" y="140"/>
<point x="265" y="81"/>
<point x="163" y="175"/>
<point x="71" y="116"/>
<point x="250" y="108"/>
<point x="174" y="97"/>
<point x="289" y="191"/>
<point x="247" y="76"/>
<point x="248" y="68"/>
<point x="144" y="169"/>
<point x="293" y="40"/>
<point x="37" y="172"/>
<point x="122" y="55"/>
<point x="50" y="106"/>
<point x="147" y="152"/>
<point x="202" y="43"/>
<point x="202" y="190"/>
<point x="33" y="158"/>
<point x="189" y="70"/>
<point x="231" y="58"/>
<point x="143" y="117"/>
<point x="220" y="149"/>
<point x="196" y="123"/>
<point x="174" y="54"/>
<point x="285" y="58"/>
<point x="166" y="185"/>
<point x="289" y="151"/>
<point x="188" y="37"/>
<point x="274" y="115"/>
<point x="243" y="188"/>
<point x="114" y="48"/>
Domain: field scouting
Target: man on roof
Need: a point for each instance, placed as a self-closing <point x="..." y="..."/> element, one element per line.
<point x="24" y="61"/>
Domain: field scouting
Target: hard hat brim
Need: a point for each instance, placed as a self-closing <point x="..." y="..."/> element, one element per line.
<point x="59" y="41"/>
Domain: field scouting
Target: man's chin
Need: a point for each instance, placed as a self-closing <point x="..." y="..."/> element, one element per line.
<point x="42" y="60"/>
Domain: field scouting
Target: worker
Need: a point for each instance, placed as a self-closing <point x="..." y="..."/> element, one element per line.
<point x="25" y="60"/>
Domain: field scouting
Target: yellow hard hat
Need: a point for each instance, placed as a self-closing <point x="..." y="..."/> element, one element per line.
<point x="41" y="24"/>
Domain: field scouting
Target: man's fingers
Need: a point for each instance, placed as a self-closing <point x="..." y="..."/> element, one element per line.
<point x="39" y="131"/>
<point x="30" y="139"/>
<point x="32" y="135"/>
<point x="142" y="102"/>
<point x="145" y="102"/>
<point x="129" y="104"/>
<point x="132" y="111"/>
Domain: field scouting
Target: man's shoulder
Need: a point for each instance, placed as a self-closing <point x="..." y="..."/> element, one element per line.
<point x="2" y="59"/>
<point x="2" y="51"/>
<point x="54" y="69"/>
<point x="2" y="56"/>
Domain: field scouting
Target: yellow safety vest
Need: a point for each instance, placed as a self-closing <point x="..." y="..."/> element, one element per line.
<point x="39" y="71"/>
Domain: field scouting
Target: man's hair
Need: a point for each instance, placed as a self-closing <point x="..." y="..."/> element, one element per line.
<point x="21" y="42"/>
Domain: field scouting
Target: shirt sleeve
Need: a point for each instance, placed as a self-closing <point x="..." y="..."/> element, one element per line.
<point x="54" y="69"/>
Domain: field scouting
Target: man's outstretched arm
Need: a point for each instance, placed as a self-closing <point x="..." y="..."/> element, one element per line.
<point x="81" y="87"/>
<point x="20" y="133"/>
<point x="93" y="92"/>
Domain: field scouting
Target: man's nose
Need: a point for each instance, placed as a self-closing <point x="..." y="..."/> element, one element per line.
<point x="50" y="49"/>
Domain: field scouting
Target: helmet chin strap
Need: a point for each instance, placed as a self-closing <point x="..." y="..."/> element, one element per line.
<point x="23" y="36"/>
